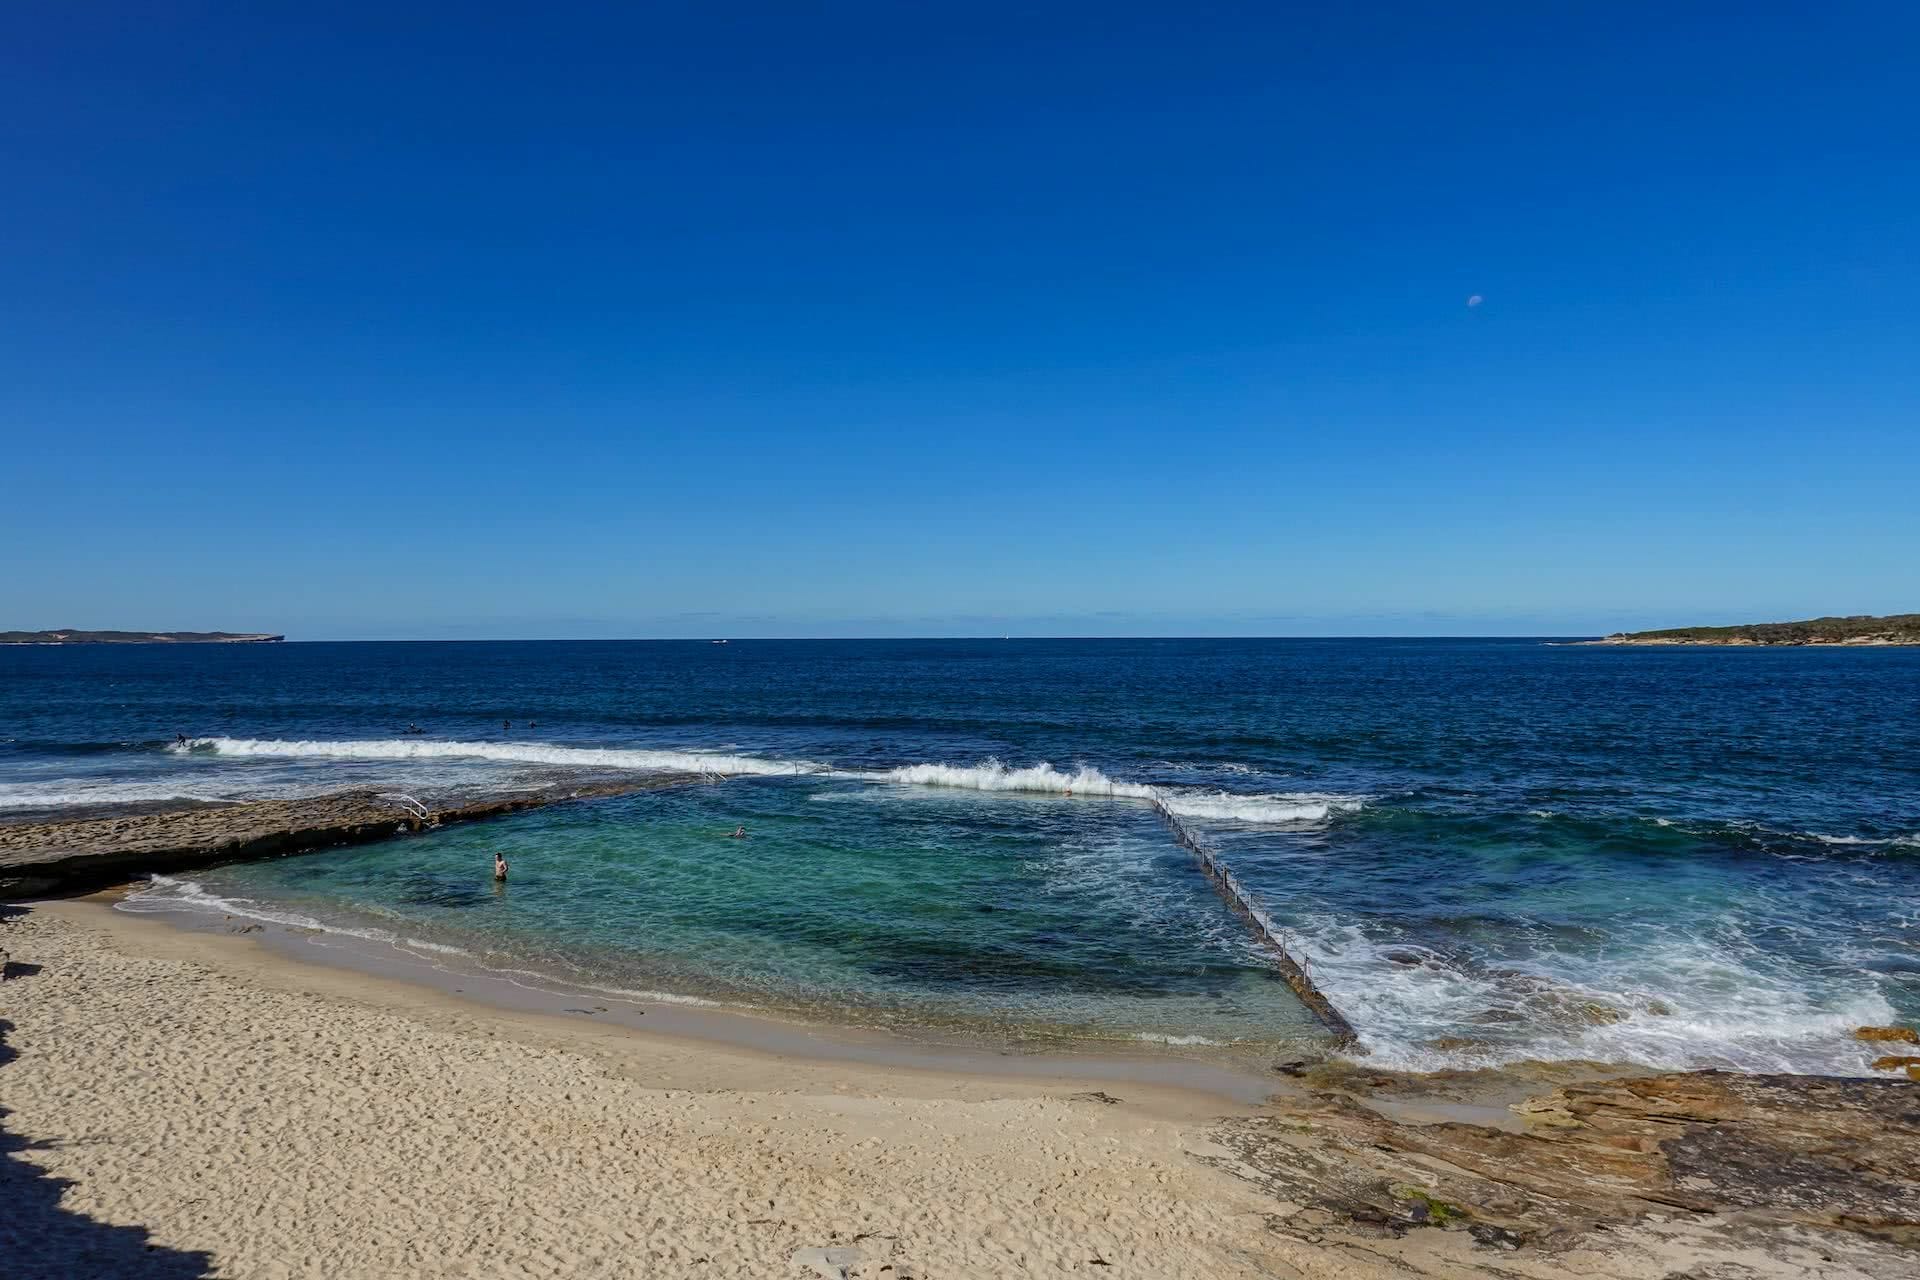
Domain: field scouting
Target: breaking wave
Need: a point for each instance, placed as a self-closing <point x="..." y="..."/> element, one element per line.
<point x="1896" y="842"/>
<point x="81" y="794"/>
<point x="1218" y="806"/>
<point x="130" y="793"/>
<point x="1675" y="1002"/>
<point x="989" y="775"/>
<point x="1225" y="806"/>
<point x="521" y="753"/>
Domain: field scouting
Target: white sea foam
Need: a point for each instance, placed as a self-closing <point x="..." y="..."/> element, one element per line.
<point x="439" y="948"/>
<point x="551" y="984"/>
<point x="1207" y="766"/>
<point x="71" y="793"/>
<point x="516" y="752"/>
<point x="66" y="798"/>
<point x="1866" y="841"/>
<point x="168" y="894"/>
<point x="1155" y="1037"/>
<point x="1219" y="806"/>
<point x="991" y="775"/>
<point x="1282" y="808"/>
<point x="1683" y="1002"/>
<point x="1290" y="807"/>
<point x="647" y="997"/>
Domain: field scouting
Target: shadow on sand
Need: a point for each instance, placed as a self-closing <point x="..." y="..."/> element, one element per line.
<point x="40" y="1240"/>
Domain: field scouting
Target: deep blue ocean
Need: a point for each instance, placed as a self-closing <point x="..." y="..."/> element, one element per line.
<point x="1488" y="849"/>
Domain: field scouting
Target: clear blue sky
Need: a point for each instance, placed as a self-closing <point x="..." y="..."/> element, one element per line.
<point x="665" y="319"/>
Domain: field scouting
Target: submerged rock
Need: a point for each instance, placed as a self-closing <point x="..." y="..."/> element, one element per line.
<point x="1498" y="1015"/>
<point x="1599" y="1014"/>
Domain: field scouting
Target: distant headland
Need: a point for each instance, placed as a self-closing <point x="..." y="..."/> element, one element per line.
<point x="1861" y="629"/>
<point x="136" y="637"/>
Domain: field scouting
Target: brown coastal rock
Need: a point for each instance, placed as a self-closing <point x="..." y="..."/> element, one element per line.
<point x="1787" y="1151"/>
<point x="1902" y="1035"/>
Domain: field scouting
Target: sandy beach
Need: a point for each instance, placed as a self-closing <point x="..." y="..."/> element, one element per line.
<point x="183" y="1104"/>
<point x="289" y="1120"/>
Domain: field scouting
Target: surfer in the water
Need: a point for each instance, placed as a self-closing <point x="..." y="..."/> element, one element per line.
<point x="500" y="866"/>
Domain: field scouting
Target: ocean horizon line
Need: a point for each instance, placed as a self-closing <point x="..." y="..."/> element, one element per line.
<point x="875" y="639"/>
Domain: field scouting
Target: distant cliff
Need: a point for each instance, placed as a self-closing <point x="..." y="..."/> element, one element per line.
<point x="134" y="637"/>
<point x="1898" y="628"/>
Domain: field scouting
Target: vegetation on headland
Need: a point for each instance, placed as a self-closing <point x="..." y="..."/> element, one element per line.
<point x="135" y="637"/>
<point x="1897" y="628"/>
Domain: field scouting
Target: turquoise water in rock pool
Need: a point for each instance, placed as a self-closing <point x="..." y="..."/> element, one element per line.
<point x="1487" y="850"/>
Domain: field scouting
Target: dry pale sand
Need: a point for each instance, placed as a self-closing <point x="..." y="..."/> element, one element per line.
<point x="181" y="1104"/>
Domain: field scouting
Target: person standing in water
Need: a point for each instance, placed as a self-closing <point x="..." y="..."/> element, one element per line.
<point x="500" y="867"/>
